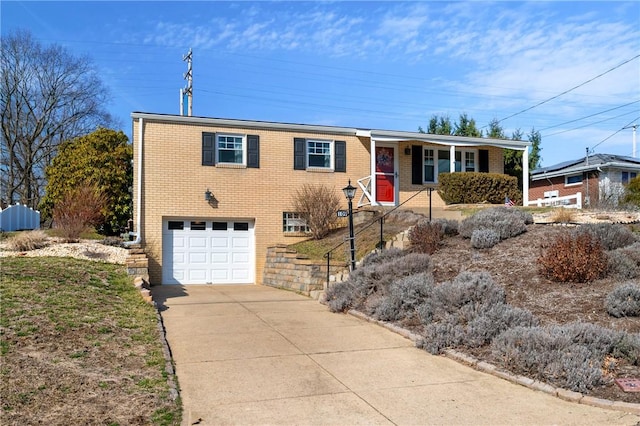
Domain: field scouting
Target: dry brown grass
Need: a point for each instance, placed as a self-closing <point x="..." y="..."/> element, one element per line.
<point x="562" y="215"/>
<point x="27" y="241"/>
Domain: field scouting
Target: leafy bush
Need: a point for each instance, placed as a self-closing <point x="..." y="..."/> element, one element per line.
<point x="468" y="312"/>
<point x="317" y="205"/>
<point x="632" y="192"/>
<point x="471" y="188"/>
<point x="77" y="211"/>
<point x="27" y="241"/>
<point x="610" y="235"/>
<point x="506" y="222"/>
<point x="373" y="278"/>
<point x="569" y="356"/>
<point x="484" y="238"/>
<point x="426" y="237"/>
<point x="624" y="301"/>
<point x="405" y="296"/>
<point x="573" y="257"/>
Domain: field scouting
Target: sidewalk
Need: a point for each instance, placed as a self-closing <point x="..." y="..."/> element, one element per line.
<point x="257" y="355"/>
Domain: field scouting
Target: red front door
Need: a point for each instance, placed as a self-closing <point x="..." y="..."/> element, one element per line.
<point x="385" y="174"/>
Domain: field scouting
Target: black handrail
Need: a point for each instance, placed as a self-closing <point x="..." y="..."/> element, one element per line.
<point x="327" y="255"/>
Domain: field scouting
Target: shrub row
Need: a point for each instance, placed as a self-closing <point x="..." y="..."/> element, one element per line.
<point x="472" y="188"/>
<point x="370" y="282"/>
<point x="492" y="225"/>
<point x="590" y="252"/>
<point x="570" y="356"/>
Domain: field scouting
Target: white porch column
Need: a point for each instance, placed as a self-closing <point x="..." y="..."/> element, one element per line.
<point x="373" y="173"/>
<point x="525" y="177"/>
<point x="452" y="159"/>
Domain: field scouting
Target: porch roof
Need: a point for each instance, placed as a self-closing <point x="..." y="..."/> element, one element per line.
<point x="377" y="135"/>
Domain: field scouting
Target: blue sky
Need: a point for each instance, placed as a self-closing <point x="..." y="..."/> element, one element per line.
<point x="382" y="65"/>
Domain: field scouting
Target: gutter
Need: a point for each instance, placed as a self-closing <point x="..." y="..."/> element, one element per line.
<point x="564" y="172"/>
<point x="138" y="220"/>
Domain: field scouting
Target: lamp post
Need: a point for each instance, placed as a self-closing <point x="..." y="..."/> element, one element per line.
<point x="350" y="192"/>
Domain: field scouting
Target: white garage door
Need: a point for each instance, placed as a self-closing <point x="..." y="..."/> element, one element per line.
<point x="208" y="251"/>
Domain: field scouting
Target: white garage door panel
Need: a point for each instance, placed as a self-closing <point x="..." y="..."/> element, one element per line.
<point x="206" y="256"/>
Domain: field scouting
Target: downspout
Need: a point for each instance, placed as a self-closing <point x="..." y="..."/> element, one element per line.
<point x="139" y="186"/>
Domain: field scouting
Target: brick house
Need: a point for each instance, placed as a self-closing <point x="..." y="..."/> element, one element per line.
<point x="211" y="195"/>
<point x="599" y="178"/>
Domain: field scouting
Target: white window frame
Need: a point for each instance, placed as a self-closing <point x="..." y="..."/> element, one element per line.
<point x="292" y="223"/>
<point x="566" y="179"/>
<point x="244" y="148"/>
<point x="332" y="157"/>
<point x="463" y="155"/>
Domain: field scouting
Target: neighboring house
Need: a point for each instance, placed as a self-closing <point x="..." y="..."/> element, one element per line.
<point x="210" y="195"/>
<point x="599" y="178"/>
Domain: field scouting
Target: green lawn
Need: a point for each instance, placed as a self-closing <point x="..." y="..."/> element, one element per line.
<point x="78" y="345"/>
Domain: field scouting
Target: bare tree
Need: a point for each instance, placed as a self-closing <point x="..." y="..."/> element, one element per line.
<point x="46" y="97"/>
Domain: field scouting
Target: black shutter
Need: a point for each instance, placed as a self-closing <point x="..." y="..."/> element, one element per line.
<point x="299" y="154"/>
<point x="208" y="149"/>
<point x="483" y="161"/>
<point x="416" y="164"/>
<point x="341" y="156"/>
<point x="253" y="151"/>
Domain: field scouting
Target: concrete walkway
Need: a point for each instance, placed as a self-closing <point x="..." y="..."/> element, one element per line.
<point x="256" y="355"/>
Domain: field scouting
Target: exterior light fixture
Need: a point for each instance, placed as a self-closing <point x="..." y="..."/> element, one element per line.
<point x="349" y="193"/>
<point x="208" y="196"/>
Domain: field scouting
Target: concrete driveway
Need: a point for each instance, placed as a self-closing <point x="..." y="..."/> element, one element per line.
<point x="250" y="355"/>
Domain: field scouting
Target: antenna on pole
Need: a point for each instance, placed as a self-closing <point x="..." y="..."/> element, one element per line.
<point x="634" y="127"/>
<point x="188" y="90"/>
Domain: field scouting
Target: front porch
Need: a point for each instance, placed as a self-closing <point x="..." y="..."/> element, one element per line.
<point x="404" y="163"/>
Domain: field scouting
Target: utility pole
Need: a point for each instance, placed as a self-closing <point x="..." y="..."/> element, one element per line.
<point x="634" y="127"/>
<point x="188" y="90"/>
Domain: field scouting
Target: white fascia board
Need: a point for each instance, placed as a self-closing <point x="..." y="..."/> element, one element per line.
<point x="448" y="140"/>
<point x="584" y="168"/>
<point x="249" y="124"/>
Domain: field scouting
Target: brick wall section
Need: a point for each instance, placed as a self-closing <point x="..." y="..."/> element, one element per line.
<point x="175" y="182"/>
<point x="537" y="188"/>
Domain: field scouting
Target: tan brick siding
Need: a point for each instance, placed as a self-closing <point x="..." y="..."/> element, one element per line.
<point x="175" y="182"/>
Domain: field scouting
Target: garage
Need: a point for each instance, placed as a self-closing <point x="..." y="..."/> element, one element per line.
<point x="214" y="251"/>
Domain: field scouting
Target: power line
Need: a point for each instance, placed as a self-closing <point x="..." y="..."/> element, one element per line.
<point x="569" y="90"/>
<point x="588" y="116"/>
<point x="589" y="124"/>
<point x="615" y="133"/>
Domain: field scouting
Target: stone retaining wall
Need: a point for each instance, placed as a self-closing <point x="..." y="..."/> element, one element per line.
<point x="287" y="269"/>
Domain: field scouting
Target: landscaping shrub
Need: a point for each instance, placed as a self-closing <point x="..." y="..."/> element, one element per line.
<point x="27" y="241"/>
<point x="632" y="192"/>
<point x="405" y="296"/>
<point x="113" y="241"/>
<point x="317" y="205"/>
<point x="573" y="257"/>
<point x="77" y="211"/>
<point x="468" y="312"/>
<point x="562" y="215"/>
<point x="624" y="301"/>
<point x="426" y="237"/>
<point x="610" y="235"/>
<point x="621" y="264"/>
<point x="484" y="238"/>
<point x="570" y="356"/>
<point x="506" y="222"/>
<point x="373" y="278"/>
<point x="449" y="226"/>
<point x="471" y="188"/>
